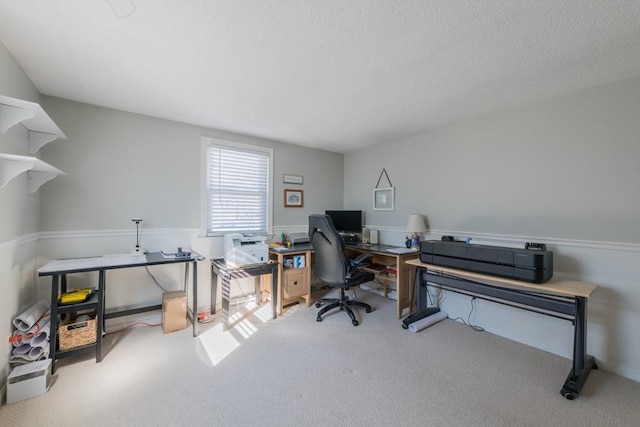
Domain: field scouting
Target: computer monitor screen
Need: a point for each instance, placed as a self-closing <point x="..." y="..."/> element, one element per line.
<point x="346" y="221"/>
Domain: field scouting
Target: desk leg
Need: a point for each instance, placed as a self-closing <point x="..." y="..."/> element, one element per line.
<point x="214" y="290"/>
<point x="420" y="290"/>
<point x="53" y="337"/>
<point x="226" y="294"/>
<point x="274" y="292"/>
<point x="422" y="310"/>
<point x="582" y="362"/>
<point x="194" y="312"/>
<point x="102" y="279"/>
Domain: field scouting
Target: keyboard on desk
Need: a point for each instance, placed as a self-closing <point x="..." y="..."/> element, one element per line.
<point x="402" y="251"/>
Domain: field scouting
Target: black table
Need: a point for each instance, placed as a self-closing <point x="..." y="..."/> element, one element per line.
<point x="561" y="298"/>
<point x="58" y="270"/>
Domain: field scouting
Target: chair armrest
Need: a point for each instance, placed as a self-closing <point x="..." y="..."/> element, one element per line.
<point x="361" y="259"/>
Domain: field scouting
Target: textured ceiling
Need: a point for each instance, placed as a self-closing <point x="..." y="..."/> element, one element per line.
<point x="337" y="75"/>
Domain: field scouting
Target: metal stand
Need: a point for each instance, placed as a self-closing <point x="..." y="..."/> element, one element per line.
<point x="563" y="307"/>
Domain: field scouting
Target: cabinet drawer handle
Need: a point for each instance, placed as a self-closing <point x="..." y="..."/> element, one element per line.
<point x="295" y="282"/>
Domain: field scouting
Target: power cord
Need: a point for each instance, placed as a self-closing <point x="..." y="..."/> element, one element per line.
<point x="131" y="325"/>
<point x="203" y="316"/>
<point x="468" y="322"/>
<point x="154" y="279"/>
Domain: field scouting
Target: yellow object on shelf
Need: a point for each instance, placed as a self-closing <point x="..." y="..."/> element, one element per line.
<point x="77" y="295"/>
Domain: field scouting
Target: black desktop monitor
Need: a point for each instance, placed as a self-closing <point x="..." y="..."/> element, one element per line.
<point x="346" y="221"/>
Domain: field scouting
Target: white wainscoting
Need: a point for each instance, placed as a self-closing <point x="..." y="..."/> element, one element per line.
<point x="613" y="311"/>
<point x="17" y="290"/>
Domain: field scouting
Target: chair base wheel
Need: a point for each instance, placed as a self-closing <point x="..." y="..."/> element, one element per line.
<point x="343" y="303"/>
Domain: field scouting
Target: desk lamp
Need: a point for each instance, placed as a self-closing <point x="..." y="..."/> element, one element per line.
<point x="138" y="249"/>
<point x="416" y="226"/>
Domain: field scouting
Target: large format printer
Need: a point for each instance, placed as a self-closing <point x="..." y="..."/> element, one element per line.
<point x="240" y="249"/>
<point x="529" y="265"/>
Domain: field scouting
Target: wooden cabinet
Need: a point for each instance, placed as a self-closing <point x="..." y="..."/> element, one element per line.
<point x="294" y="283"/>
<point x="294" y="274"/>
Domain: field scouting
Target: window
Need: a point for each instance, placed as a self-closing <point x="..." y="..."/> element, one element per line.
<point x="237" y="188"/>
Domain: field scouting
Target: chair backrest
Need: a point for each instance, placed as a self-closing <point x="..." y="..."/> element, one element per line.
<point x="330" y="259"/>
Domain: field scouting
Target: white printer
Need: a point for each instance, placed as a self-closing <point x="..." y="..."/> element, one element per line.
<point x="240" y="249"/>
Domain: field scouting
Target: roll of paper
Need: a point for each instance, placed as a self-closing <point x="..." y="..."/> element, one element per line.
<point x="30" y="316"/>
<point x="22" y="349"/>
<point x="37" y="329"/>
<point x="427" y="321"/>
<point x="41" y="338"/>
<point x="35" y="353"/>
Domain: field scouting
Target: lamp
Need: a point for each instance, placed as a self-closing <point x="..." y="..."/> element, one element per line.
<point x="138" y="249"/>
<point x="416" y="226"/>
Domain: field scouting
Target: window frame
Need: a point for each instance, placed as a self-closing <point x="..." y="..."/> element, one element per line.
<point x="207" y="142"/>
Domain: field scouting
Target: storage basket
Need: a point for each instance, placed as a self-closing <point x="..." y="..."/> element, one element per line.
<point x="72" y="334"/>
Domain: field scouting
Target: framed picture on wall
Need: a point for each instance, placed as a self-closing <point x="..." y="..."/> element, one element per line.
<point x="383" y="199"/>
<point x="293" y="198"/>
<point x="292" y="179"/>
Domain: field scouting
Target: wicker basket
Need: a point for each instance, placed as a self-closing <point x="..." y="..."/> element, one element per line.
<point x="72" y="335"/>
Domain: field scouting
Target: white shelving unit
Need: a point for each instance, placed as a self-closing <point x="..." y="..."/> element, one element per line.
<point x="13" y="165"/>
<point x="42" y="129"/>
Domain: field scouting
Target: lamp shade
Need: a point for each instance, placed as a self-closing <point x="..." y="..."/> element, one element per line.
<point x="416" y="224"/>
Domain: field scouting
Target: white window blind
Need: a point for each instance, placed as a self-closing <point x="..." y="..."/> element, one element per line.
<point x="237" y="183"/>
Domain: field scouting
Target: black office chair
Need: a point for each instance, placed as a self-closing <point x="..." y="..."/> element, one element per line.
<point x="334" y="268"/>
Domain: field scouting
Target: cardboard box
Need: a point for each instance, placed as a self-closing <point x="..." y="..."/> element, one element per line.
<point x="174" y="311"/>
<point x="27" y="381"/>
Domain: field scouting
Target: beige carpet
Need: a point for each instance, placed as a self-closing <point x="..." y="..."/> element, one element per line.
<point x="294" y="371"/>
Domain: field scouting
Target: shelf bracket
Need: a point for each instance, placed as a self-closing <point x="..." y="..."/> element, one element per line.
<point x="10" y="170"/>
<point x="12" y="165"/>
<point x="10" y="115"/>
<point x="37" y="140"/>
<point x="32" y="117"/>
<point x="36" y="179"/>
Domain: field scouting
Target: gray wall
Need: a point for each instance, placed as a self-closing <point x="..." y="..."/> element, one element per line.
<point x="565" y="172"/>
<point x="19" y="210"/>
<point x="121" y="165"/>
<point x="565" y="168"/>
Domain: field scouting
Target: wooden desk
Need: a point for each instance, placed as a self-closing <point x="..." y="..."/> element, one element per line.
<point x="566" y="299"/>
<point x="228" y="272"/>
<point x="296" y="283"/>
<point x="405" y="270"/>
<point x="58" y="270"/>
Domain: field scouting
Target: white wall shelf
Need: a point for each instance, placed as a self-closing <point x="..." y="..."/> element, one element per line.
<point x="12" y="165"/>
<point x="42" y="129"/>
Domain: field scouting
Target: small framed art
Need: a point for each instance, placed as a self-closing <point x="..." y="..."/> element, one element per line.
<point x="293" y="198"/>
<point x="383" y="199"/>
